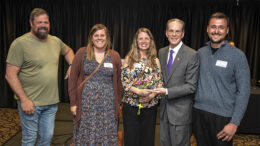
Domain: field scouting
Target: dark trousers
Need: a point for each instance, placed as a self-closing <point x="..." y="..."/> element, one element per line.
<point x="206" y="126"/>
<point x="139" y="130"/>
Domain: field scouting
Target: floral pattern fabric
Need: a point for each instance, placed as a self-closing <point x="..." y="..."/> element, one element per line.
<point x="151" y="78"/>
<point x="98" y="126"/>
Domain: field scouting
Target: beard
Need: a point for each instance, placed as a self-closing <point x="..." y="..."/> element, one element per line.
<point x="41" y="35"/>
<point x="216" y="42"/>
<point x="221" y="39"/>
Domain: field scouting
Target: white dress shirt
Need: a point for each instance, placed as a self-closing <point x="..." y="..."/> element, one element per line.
<point x="176" y="50"/>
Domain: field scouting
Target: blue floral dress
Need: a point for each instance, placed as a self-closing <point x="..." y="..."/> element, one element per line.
<point x="98" y="126"/>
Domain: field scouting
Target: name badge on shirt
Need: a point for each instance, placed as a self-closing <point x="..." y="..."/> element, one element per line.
<point x="108" y="65"/>
<point x="221" y="63"/>
<point x="137" y="65"/>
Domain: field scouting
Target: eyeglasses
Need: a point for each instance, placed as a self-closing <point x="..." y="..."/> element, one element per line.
<point x="176" y="32"/>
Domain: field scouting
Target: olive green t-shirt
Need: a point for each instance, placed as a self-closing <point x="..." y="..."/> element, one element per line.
<point x="38" y="62"/>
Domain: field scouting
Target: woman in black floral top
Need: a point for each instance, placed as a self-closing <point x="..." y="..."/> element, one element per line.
<point x="140" y="103"/>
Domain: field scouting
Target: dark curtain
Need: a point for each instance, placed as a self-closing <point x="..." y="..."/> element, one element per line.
<point x="71" y="21"/>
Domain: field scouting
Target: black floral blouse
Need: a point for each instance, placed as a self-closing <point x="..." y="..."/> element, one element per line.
<point x="151" y="78"/>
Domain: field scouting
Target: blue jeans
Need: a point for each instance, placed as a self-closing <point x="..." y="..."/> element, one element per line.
<point x="42" y="119"/>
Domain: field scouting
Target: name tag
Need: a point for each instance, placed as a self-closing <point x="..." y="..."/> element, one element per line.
<point x="108" y="65"/>
<point x="221" y="63"/>
<point x="137" y="65"/>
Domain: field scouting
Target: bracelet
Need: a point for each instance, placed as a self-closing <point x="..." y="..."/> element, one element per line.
<point x="69" y="64"/>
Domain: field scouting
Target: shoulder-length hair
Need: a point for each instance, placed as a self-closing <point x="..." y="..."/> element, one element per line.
<point x="90" y="45"/>
<point x="134" y="53"/>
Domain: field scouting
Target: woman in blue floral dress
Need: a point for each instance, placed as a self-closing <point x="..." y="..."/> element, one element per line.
<point x="140" y="103"/>
<point x="96" y="103"/>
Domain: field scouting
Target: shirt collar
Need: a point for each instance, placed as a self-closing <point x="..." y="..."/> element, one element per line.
<point x="225" y="43"/>
<point x="177" y="48"/>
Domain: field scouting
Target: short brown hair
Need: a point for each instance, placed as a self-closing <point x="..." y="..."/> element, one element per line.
<point x="37" y="12"/>
<point x="219" y="15"/>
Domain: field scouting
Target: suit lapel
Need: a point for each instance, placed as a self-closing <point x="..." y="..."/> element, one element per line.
<point x="177" y="60"/>
<point x="164" y="63"/>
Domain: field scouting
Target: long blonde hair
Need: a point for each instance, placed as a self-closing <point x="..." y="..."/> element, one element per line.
<point x="134" y="53"/>
<point x="90" y="48"/>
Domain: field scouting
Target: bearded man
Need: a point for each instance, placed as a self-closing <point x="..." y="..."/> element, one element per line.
<point x="32" y="73"/>
<point x="223" y="87"/>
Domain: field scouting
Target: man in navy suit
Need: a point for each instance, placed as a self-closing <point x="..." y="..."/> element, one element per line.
<point x="180" y="65"/>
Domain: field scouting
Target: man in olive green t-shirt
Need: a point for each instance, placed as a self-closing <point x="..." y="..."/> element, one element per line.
<point x="32" y="73"/>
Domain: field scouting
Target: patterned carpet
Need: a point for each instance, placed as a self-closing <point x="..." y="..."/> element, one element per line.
<point x="10" y="126"/>
<point x="239" y="140"/>
<point x="10" y="123"/>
